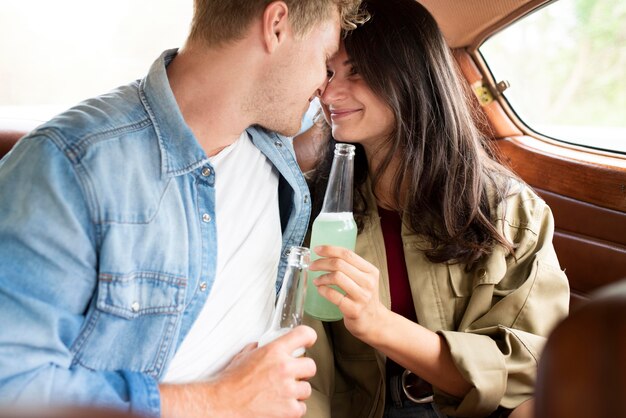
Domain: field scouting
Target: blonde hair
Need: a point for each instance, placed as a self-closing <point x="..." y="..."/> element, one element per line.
<point x="218" y="21"/>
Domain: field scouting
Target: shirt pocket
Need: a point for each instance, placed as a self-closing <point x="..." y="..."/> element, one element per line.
<point x="133" y="322"/>
<point x="461" y="285"/>
<point x="145" y="293"/>
<point x="460" y="282"/>
<point x="481" y="280"/>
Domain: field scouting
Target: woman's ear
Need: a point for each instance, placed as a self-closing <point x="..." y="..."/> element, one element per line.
<point x="275" y="25"/>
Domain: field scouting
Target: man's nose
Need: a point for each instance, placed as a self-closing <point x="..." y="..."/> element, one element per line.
<point x="331" y="92"/>
<point x="320" y="90"/>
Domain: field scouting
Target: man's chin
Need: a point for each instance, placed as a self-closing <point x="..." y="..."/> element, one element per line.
<point x="283" y="130"/>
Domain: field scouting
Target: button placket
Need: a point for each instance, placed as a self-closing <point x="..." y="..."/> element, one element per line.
<point x="206" y="211"/>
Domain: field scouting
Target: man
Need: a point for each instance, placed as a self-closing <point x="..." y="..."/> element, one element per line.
<point x="140" y="232"/>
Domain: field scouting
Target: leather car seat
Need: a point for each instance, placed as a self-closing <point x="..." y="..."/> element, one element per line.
<point x="582" y="371"/>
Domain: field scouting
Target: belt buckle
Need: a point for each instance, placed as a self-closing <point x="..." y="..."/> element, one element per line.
<point x="406" y="385"/>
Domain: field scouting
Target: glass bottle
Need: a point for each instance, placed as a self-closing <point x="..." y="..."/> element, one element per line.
<point x="333" y="226"/>
<point x="290" y="302"/>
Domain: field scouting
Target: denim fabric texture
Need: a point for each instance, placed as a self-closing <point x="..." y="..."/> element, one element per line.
<point x="108" y="246"/>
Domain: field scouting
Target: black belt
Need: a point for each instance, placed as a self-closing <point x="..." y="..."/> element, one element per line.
<point x="409" y="386"/>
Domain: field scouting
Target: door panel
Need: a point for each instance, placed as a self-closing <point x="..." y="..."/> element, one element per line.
<point x="585" y="176"/>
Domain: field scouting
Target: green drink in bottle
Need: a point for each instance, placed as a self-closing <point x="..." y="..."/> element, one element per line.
<point x="333" y="226"/>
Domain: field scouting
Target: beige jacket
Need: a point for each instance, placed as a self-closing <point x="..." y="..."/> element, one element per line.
<point x="495" y="318"/>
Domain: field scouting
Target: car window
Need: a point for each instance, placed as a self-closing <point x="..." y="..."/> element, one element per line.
<point x="566" y="67"/>
<point x="57" y="53"/>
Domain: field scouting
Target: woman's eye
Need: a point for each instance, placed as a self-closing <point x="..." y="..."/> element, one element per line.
<point x="329" y="73"/>
<point x="353" y="71"/>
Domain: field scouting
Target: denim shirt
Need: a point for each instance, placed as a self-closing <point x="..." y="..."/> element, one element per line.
<point x="108" y="246"/>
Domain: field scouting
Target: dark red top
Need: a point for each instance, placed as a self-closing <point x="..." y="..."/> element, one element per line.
<point x="401" y="298"/>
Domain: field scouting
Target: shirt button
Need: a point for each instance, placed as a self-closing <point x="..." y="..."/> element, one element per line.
<point x="287" y="252"/>
<point x="306" y="198"/>
<point x="278" y="144"/>
<point x="206" y="217"/>
<point x="203" y="286"/>
<point x="134" y="307"/>
<point x="481" y="273"/>
<point x="206" y="171"/>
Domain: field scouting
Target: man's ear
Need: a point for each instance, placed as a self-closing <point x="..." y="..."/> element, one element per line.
<point x="275" y="24"/>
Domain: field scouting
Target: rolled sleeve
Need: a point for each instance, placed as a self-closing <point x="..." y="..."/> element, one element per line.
<point x="481" y="362"/>
<point x="500" y="362"/>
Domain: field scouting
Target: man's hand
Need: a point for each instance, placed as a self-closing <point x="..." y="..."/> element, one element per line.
<point x="259" y="382"/>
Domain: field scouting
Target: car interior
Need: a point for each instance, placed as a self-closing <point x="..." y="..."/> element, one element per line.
<point x="584" y="186"/>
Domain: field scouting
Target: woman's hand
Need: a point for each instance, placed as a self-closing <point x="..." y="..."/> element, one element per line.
<point x="411" y="345"/>
<point x="361" y="306"/>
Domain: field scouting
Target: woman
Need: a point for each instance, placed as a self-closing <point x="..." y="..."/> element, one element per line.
<point x="456" y="283"/>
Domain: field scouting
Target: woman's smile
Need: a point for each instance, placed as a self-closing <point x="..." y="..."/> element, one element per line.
<point x="336" y="114"/>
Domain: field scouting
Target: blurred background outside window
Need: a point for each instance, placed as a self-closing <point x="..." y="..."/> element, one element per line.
<point x="566" y="64"/>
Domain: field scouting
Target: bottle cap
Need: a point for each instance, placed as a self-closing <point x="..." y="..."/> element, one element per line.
<point x="344" y="149"/>
<point x="299" y="256"/>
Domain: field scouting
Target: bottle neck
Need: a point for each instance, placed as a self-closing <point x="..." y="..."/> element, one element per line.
<point x="338" y="197"/>
<point x="290" y="302"/>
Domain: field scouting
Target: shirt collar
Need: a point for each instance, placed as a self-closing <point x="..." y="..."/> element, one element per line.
<point x="180" y="150"/>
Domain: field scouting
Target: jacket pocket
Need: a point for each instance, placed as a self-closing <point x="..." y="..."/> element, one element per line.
<point x="142" y="293"/>
<point x="132" y="323"/>
<point x="460" y="282"/>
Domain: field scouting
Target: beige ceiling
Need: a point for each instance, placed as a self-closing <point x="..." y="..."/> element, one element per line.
<point x="467" y="22"/>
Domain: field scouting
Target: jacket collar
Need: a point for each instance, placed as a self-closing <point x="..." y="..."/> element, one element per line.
<point x="180" y="150"/>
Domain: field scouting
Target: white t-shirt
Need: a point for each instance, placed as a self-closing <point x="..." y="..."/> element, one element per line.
<point x="241" y="302"/>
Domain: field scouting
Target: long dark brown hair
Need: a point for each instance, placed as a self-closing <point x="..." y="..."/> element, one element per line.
<point x="445" y="160"/>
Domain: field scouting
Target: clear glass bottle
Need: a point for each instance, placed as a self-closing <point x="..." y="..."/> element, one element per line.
<point x="333" y="226"/>
<point x="290" y="303"/>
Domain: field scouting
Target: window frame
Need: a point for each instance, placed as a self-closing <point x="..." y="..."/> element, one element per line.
<point x="490" y="82"/>
<point x="592" y="176"/>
